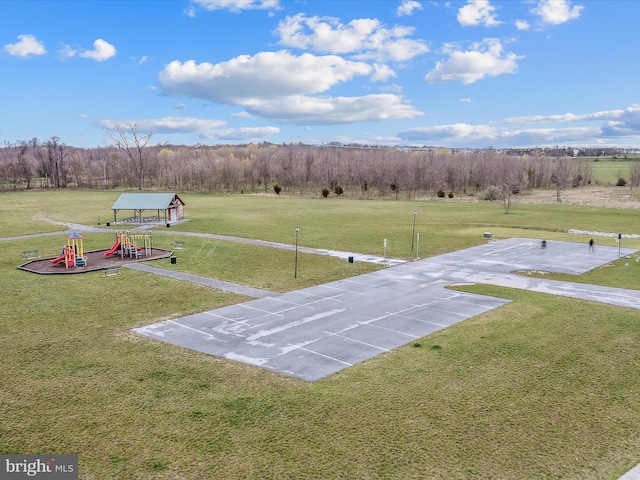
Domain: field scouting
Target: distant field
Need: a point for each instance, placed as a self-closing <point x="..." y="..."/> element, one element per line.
<point x="609" y="169"/>
<point x="544" y="387"/>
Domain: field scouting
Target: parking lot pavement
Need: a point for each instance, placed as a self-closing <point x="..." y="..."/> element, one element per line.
<point x="317" y="331"/>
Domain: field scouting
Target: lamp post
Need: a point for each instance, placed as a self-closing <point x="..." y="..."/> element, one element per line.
<point x="295" y="274"/>
<point x="619" y="243"/>
<point x="413" y="230"/>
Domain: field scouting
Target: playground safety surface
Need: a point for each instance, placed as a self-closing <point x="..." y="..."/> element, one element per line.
<point x="96" y="260"/>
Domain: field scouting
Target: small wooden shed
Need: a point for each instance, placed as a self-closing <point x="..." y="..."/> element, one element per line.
<point x="168" y="206"/>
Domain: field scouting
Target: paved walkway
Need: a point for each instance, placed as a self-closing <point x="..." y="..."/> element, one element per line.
<point x="358" y="257"/>
<point x="633" y="474"/>
<point x="79" y="228"/>
<point x="209" y="282"/>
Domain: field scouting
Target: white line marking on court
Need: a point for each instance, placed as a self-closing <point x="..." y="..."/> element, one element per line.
<point x="392" y="330"/>
<point x="194" y="329"/>
<point x="292" y="303"/>
<point x="363" y="283"/>
<point x="420" y="320"/>
<point x="318" y="296"/>
<point x="232" y="320"/>
<point x="258" y="309"/>
<point x="358" y="341"/>
<point x="342" y="289"/>
<point x="459" y="299"/>
<point x="321" y="354"/>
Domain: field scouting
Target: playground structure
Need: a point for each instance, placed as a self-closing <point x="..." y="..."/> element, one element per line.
<point x="131" y="244"/>
<point x="72" y="253"/>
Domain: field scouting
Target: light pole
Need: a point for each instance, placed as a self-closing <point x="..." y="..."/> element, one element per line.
<point x="295" y="274"/>
<point x="619" y="243"/>
<point x="413" y="230"/>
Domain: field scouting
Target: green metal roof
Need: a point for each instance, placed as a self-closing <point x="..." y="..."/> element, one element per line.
<point x="145" y="201"/>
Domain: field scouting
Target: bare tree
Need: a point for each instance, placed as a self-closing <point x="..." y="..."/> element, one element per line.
<point x="634" y="174"/>
<point x="132" y="143"/>
<point x="52" y="156"/>
<point x="561" y="175"/>
<point x="25" y="163"/>
<point x="511" y="181"/>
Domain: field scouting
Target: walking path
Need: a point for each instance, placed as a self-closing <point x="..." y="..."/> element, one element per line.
<point x="209" y="282"/>
<point x="79" y="228"/>
<point x="633" y="474"/>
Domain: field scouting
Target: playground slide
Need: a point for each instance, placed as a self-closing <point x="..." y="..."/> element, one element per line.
<point x="115" y="247"/>
<point x="58" y="260"/>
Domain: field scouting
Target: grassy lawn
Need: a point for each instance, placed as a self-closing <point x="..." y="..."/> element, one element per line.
<point x="544" y="387"/>
<point x="611" y="170"/>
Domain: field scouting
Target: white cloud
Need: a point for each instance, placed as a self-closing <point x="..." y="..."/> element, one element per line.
<point x="478" y="12"/>
<point x="246" y="79"/>
<point x="407" y="7"/>
<point x="243" y="133"/>
<point x="365" y="38"/>
<point x="485" y="59"/>
<point x="102" y="50"/>
<point x="572" y="117"/>
<point x="200" y="127"/>
<point x="452" y="132"/>
<point x="483" y="136"/>
<point x="238" y="5"/>
<point x="619" y="123"/>
<point x="522" y="25"/>
<point x="550" y="136"/>
<point x="279" y="85"/>
<point x="306" y="110"/>
<point x="26" y="46"/>
<point x="382" y="73"/>
<point x="556" y="12"/>
<point x="66" y="51"/>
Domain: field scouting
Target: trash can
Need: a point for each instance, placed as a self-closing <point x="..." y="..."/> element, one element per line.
<point x="173" y="260"/>
<point x="350" y="259"/>
<point x="108" y="224"/>
<point x="168" y="225"/>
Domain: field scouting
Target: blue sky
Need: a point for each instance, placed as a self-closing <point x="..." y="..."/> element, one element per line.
<point x="474" y="73"/>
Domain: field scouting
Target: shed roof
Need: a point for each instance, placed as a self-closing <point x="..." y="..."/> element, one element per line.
<point x="146" y="201"/>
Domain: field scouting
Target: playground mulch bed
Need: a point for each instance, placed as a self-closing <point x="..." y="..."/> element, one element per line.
<point x="96" y="260"/>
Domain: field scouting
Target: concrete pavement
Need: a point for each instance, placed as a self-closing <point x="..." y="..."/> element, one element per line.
<point x="317" y="331"/>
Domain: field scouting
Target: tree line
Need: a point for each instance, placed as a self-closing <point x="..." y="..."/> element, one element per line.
<point x="294" y="169"/>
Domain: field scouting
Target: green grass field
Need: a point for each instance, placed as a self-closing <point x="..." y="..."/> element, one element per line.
<point x="544" y="387"/>
<point x="609" y="170"/>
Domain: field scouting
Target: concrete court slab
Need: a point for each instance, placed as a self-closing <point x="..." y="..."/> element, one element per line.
<point x="314" y="332"/>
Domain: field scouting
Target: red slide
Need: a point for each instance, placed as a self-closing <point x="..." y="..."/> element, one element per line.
<point x="59" y="259"/>
<point x="115" y="247"/>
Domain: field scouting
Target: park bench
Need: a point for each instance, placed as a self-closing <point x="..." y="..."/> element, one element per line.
<point x="178" y="245"/>
<point x="112" y="270"/>
<point x="30" y="254"/>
